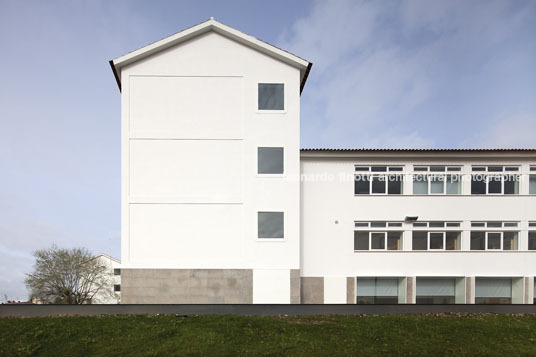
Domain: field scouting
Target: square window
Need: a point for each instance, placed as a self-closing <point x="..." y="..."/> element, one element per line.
<point x="494" y="240"/>
<point x="436" y="240"/>
<point x="362" y="185"/>
<point x="437" y="184"/>
<point x="117" y="271"/>
<point x="420" y="241"/>
<point x="377" y="240"/>
<point x="478" y="240"/>
<point x="394" y="186"/>
<point x="117" y="287"/>
<point x="271" y="96"/>
<point x="452" y="241"/>
<point x="454" y="185"/>
<point x="361" y="240"/>
<point x="478" y="185"/>
<point x="270" y="160"/>
<point x="271" y="224"/>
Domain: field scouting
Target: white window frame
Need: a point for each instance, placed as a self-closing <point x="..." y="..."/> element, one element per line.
<point x="486" y="173"/>
<point x="388" y="172"/>
<point x="494" y="230"/>
<point x="430" y="238"/>
<point x="444" y="174"/>
<point x="444" y="230"/>
<point x="385" y="230"/>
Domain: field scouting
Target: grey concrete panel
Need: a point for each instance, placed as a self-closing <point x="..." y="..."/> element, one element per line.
<point x="312" y="290"/>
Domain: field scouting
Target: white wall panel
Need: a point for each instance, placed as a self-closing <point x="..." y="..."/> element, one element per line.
<point x="334" y="290"/>
<point x="187" y="107"/>
<point x="271" y="286"/>
<point x="189" y="235"/>
<point x="196" y="170"/>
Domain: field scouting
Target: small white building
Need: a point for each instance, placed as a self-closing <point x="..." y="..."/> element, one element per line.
<point x="111" y="293"/>
<point x="220" y="205"/>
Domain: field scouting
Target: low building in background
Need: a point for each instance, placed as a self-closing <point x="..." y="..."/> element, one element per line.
<point x="111" y="293"/>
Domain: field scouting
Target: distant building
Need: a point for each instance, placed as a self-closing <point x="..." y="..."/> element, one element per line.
<point x="111" y="294"/>
<point x="220" y="205"/>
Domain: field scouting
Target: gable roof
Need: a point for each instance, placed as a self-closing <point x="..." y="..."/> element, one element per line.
<point x="212" y="25"/>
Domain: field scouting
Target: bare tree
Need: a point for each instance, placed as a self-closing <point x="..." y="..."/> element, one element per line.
<point x="66" y="276"/>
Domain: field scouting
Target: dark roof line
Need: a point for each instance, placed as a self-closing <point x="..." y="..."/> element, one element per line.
<point x="415" y="150"/>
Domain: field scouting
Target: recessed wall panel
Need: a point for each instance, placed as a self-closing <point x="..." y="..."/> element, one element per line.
<point x="191" y="170"/>
<point x="194" y="235"/>
<point x="186" y="107"/>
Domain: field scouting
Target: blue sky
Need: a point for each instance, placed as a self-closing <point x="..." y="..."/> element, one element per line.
<point x="422" y="73"/>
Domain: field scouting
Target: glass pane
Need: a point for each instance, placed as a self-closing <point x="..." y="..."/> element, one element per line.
<point x="532" y="185"/>
<point x="495" y="168"/>
<point x="478" y="185"/>
<point x="437" y="184"/>
<point x="495" y="287"/>
<point x="361" y="185"/>
<point x="478" y="240"/>
<point x="436" y="240"/>
<point x="437" y="168"/>
<point x="494" y="240"/>
<point x="453" y="241"/>
<point x="494" y="184"/>
<point x="436" y="224"/>
<point x="270" y="160"/>
<point x="366" y="287"/>
<point x="386" y="287"/>
<point x="494" y="224"/>
<point x="378" y="184"/>
<point x="394" y="185"/>
<point x="420" y="241"/>
<point x="377" y="224"/>
<point x="510" y="241"/>
<point x="511" y="185"/>
<point x="361" y="241"/>
<point x="271" y="225"/>
<point x="454" y="185"/>
<point x="394" y="240"/>
<point x="378" y="168"/>
<point x="436" y="286"/>
<point x="377" y="240"/>
<point x="532" y="240"/>
<point x="271" y="96"/>
<point x="420" y="185"/>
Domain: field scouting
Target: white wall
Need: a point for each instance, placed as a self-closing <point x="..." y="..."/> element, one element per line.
<point x="330" y="208"/>
<point x="190" y="132"/>
<point x="107" y="295"/>
<point x="271" y="286"/>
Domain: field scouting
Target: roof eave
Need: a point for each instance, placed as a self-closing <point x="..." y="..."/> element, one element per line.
<point x="303" y="65"/>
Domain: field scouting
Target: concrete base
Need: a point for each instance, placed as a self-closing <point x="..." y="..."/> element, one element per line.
<point x="186" y="286"/>
<point x="312" y="290"/>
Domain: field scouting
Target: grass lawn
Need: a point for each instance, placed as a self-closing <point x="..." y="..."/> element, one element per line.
<point x="499" y="335"/>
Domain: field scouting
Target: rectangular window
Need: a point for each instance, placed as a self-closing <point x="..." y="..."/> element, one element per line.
<point x="117" y="271"/>
<point x="478" y="184"/>
<point x="482" y="184"/>
<point x="420" y="184"/>
<point x="493" y="291"/>
<point x="271" y="96"/>
<point x="494" y="240"/>
<point x="435" y="240"/>
<point x="271" y="224"/>
<point x="532" y="240"/>
<point x="270" y="160"/>
<point x="436" y="290"/>
<point x="366" y="183"/>
<point x="377" y="291"/>
<point x="117" y="288"/>
<point x="532" y="184"/>
<point x="377" y="240"/>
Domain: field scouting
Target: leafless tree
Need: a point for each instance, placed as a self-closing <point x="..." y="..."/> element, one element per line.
<point x="66" y="276"/>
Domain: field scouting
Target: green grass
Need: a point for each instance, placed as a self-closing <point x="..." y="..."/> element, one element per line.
<point x="499" y="335"/>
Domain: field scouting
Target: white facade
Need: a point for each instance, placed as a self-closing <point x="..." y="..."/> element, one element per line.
<point x="191" y="130"/>
<point x="332" y="212"/>
<point x="205" y="219"/>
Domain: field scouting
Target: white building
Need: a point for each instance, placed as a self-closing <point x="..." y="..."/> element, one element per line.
<point x="214" y="210"/>
<point x="111" y="292"/>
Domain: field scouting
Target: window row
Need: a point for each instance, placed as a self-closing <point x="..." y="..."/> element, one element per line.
<point x="435" y="290"/>
<point x="439" y="241"/>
